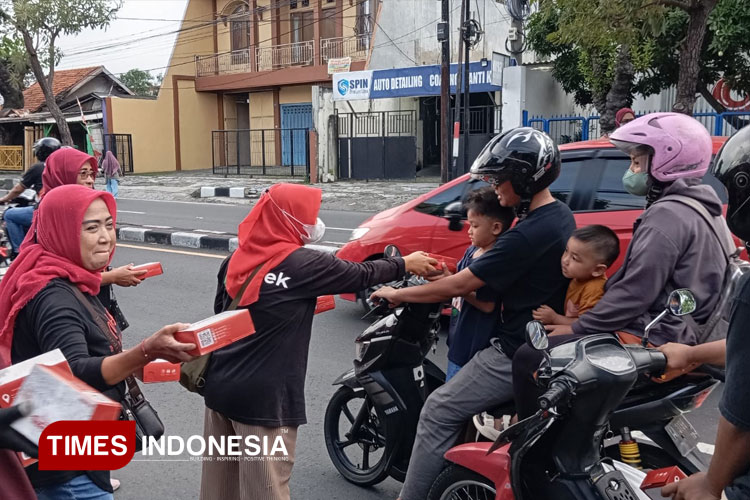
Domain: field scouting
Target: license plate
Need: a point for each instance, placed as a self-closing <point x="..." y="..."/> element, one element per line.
<point x="683" y="435"/>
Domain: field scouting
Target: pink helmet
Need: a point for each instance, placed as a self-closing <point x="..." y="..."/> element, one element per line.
<point x="680" y="145"/>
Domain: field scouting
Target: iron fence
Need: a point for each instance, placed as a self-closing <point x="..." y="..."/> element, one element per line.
<point x="271" y="152"/>
<point x="378" y="124"/>
<point x="121" y="146"/>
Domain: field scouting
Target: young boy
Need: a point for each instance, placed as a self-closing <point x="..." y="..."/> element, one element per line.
<point x="474" y="316"/>
<point x="590" y="251"/>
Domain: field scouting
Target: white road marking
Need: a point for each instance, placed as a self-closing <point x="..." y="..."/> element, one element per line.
<point x="209" y="231"/>
<point x="169" y="250"/>
<point x="157" y="227"/>
<point x="130" y="212"/>
<point x="340" y="228"/>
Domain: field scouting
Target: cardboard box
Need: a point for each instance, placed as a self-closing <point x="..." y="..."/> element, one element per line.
<point x="450" y="262"/>
<point x="325" y="303"/>
<point x="12" y="377"/>
<point x="161" y="370"/>
<point x="657" y="479"/>
<point x="58" y="395"/>
<point x="217" y="331"/>
<point x="151" y="268"/>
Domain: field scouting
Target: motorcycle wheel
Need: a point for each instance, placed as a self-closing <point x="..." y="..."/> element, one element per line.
<point x="459" y="483"/>
<point x="360" y="455"/>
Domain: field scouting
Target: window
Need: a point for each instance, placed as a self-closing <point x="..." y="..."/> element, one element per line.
<point x="240" y="28"/>
<point x="302" y="26"/>
<point x="328" y="26"/>
<point x="435" y="205"/>
<point x="563" y="185"/>
<point x="611" y="194"/>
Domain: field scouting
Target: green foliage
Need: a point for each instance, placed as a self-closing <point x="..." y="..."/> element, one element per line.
<point x="13" y="56"/>
<point x="140" y="82"/>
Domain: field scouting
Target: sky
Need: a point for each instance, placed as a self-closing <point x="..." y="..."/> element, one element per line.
<point x="136" y="20"/>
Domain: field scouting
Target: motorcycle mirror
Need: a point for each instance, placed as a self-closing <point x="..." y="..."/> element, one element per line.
<point x="392" y="251"/>
<point x="455" y="214"/>
<point x="536" y="335"/>
<point x="681" y="302"/>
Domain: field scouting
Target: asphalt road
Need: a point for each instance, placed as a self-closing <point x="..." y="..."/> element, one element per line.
<point x="223" y="218"/>
<point x="185" y="293"/>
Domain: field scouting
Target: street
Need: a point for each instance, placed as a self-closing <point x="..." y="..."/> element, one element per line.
<point x="185" y="293"/>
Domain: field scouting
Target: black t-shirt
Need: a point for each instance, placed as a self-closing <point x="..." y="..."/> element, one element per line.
<point x="471" y="329"/>
<point x="260" y="380"/>
<point x="55" y="319"/>
<point x="735" y="402"/>
<point x="32" y="178"/>
<point x="524" y="267"/>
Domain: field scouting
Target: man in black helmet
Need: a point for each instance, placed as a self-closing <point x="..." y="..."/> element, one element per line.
<point x="18" y="219"/>
<point x="523" y="267"/>
<point x="729" y="473"/>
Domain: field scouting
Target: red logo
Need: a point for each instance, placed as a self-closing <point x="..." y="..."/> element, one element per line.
<point x="723" y="93"/>
<point x="86" y="445"/>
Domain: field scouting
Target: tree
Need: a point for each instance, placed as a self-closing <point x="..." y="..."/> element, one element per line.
<point x="40" y="23"/>
<point x="139" y="81"/>
<point x="14" y="69"/>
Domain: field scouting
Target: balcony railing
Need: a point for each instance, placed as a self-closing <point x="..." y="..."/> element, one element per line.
<point x="239" y="61"/>
<point x="355" y="47"/>
<point x="282" y="56"/>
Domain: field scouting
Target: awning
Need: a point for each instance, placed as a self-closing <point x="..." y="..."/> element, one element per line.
<point x="415" y="81"/>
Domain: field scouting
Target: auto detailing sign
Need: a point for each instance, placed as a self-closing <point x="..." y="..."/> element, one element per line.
<point x="407" y="82"/>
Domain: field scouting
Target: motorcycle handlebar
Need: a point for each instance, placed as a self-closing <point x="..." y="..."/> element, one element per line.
<point x="648" y="360"/>
<point x="558" y="390"/>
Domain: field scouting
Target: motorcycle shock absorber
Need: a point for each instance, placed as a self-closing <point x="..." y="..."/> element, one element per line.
<point x="630" y="453"/>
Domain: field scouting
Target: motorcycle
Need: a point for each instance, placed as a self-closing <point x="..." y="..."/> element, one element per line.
<point x="559" y="451"/>
<point x="25" y="199"/>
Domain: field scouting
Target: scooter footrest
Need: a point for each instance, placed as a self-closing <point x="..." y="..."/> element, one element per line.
<point x="614" y="486"/>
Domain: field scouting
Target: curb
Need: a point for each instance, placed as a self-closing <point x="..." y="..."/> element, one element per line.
<point x="189" y="239"/>
<point x="231" y="192"/>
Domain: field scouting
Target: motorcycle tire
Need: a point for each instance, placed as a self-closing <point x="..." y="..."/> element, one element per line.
<point x="459" y="483"/>
<point x="364" y="473"/>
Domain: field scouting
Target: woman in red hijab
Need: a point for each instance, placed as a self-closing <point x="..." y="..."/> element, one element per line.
<point x="255" y="387"/>
<point x="42" y="308"/>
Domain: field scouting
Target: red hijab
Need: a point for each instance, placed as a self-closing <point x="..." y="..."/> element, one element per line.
<point x="267" y="236"/>
<point x="55" y="253"/>
<point x="62" y="167"/>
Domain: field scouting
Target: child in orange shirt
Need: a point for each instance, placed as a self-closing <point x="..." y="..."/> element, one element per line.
<point x="590" y="251"/>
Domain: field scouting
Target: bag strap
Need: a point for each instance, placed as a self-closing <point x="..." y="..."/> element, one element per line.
<point x="236" y="300"/>
<point x="723" y="235"/>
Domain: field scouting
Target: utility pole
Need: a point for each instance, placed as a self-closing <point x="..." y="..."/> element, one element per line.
<point x="459" y="90"/>
<point x="443" y="36"/>
<point x="467" y="35"/>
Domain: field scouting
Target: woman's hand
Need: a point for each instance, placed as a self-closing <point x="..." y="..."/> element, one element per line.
<point x="162" y="344"/>
<point x="695" y="487"/>
<point x="386" y="293"/>
<point x="679" y="357"/>
<point x="420" y="263"/>
<point x="442" y="274"/>
<point x="123" y="276"/>
<point x="545" y="314"/>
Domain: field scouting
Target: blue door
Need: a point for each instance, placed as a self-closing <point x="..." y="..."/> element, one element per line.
<point x="296" y="120"/>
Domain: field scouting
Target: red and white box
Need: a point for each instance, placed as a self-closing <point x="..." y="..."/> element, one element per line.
<point x="12" y="377"/>
<point x="217" y="331"/>
<point x="151" y="268"/>
<point x="161" y="370"/>
<point x="55" y="395"/>
<point x="657" y="479"/>
<point x="450" y="262"/>
<point x="325" y="303"/>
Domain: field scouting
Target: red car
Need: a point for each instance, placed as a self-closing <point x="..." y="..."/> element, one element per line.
<point x="590" y="183"/>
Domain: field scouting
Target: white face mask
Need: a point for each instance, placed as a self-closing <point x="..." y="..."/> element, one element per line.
<point x="313" y="232"/>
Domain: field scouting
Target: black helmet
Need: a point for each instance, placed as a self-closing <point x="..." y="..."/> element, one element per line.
<point x="732" y="168"/>
<point x="526" y="157"/>
<point x="45" y="147"/>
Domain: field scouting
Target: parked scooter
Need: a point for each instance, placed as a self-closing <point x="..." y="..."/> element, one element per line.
<point x="558" y="452"/>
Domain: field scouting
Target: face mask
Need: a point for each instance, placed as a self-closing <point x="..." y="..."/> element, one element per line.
<point x="313" y="232"/>
<point x="635" y="184"/>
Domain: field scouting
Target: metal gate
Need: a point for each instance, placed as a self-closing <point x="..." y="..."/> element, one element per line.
<point x="121" y="146"/>
<point x="296" y="119"/>
<point x="377" y="145"/>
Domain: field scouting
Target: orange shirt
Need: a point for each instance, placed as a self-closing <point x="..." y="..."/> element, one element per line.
<point x="583" y="295"/>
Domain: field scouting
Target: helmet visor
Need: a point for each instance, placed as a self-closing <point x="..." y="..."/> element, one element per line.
<point x="632" y="148"/>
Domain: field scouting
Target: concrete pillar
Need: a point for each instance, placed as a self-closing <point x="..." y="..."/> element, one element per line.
<point x="514" y="96"/>
<point x="324" y="121"/>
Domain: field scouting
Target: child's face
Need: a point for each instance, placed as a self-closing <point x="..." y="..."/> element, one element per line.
<point x="483" y="230"/>
<point x="580" y="262"/>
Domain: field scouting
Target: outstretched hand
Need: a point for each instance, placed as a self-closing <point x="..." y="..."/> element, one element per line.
<point x="387" y="293"/>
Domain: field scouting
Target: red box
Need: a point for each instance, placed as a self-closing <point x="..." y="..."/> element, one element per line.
<point x="217" y="331"/>
<point x="657" y="479"/>
<point x="325" y="303"/>
<point x="151" y="268"/>
<point x="450" y="262"/>
<point x="55" y="395"/>
<point x="12" y="377"/>
<point x="161" y="370"/>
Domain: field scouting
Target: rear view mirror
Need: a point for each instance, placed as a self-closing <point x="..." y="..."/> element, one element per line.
<point x="392" y="251"/>
<point x="536" y="335"/>
<point x="454" y="212"/>
<point x="681" y="302"/>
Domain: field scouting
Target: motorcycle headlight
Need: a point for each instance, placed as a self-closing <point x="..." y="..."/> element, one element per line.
<point x="360" y="349"/>
<point x="358" y="233"/>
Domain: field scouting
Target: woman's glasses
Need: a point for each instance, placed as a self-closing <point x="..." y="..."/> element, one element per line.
<point x="85" y="174"/>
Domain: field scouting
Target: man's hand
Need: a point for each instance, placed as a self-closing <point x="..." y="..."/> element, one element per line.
<point x="545" y="314"/>
<point x="559" y="329"/>
<point x="695" y="487"/>
<point x="386" y="293"/>
<point x="126" y="276"/>
<point x="679" y="357"/>
<point x="420" y="263"/>
<point x="9" y="438"/>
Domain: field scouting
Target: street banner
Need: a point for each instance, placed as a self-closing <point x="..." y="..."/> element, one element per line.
<point x="339" y="65"/>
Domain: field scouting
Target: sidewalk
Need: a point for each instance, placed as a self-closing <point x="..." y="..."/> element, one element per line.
<point x="355" y="196"/>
